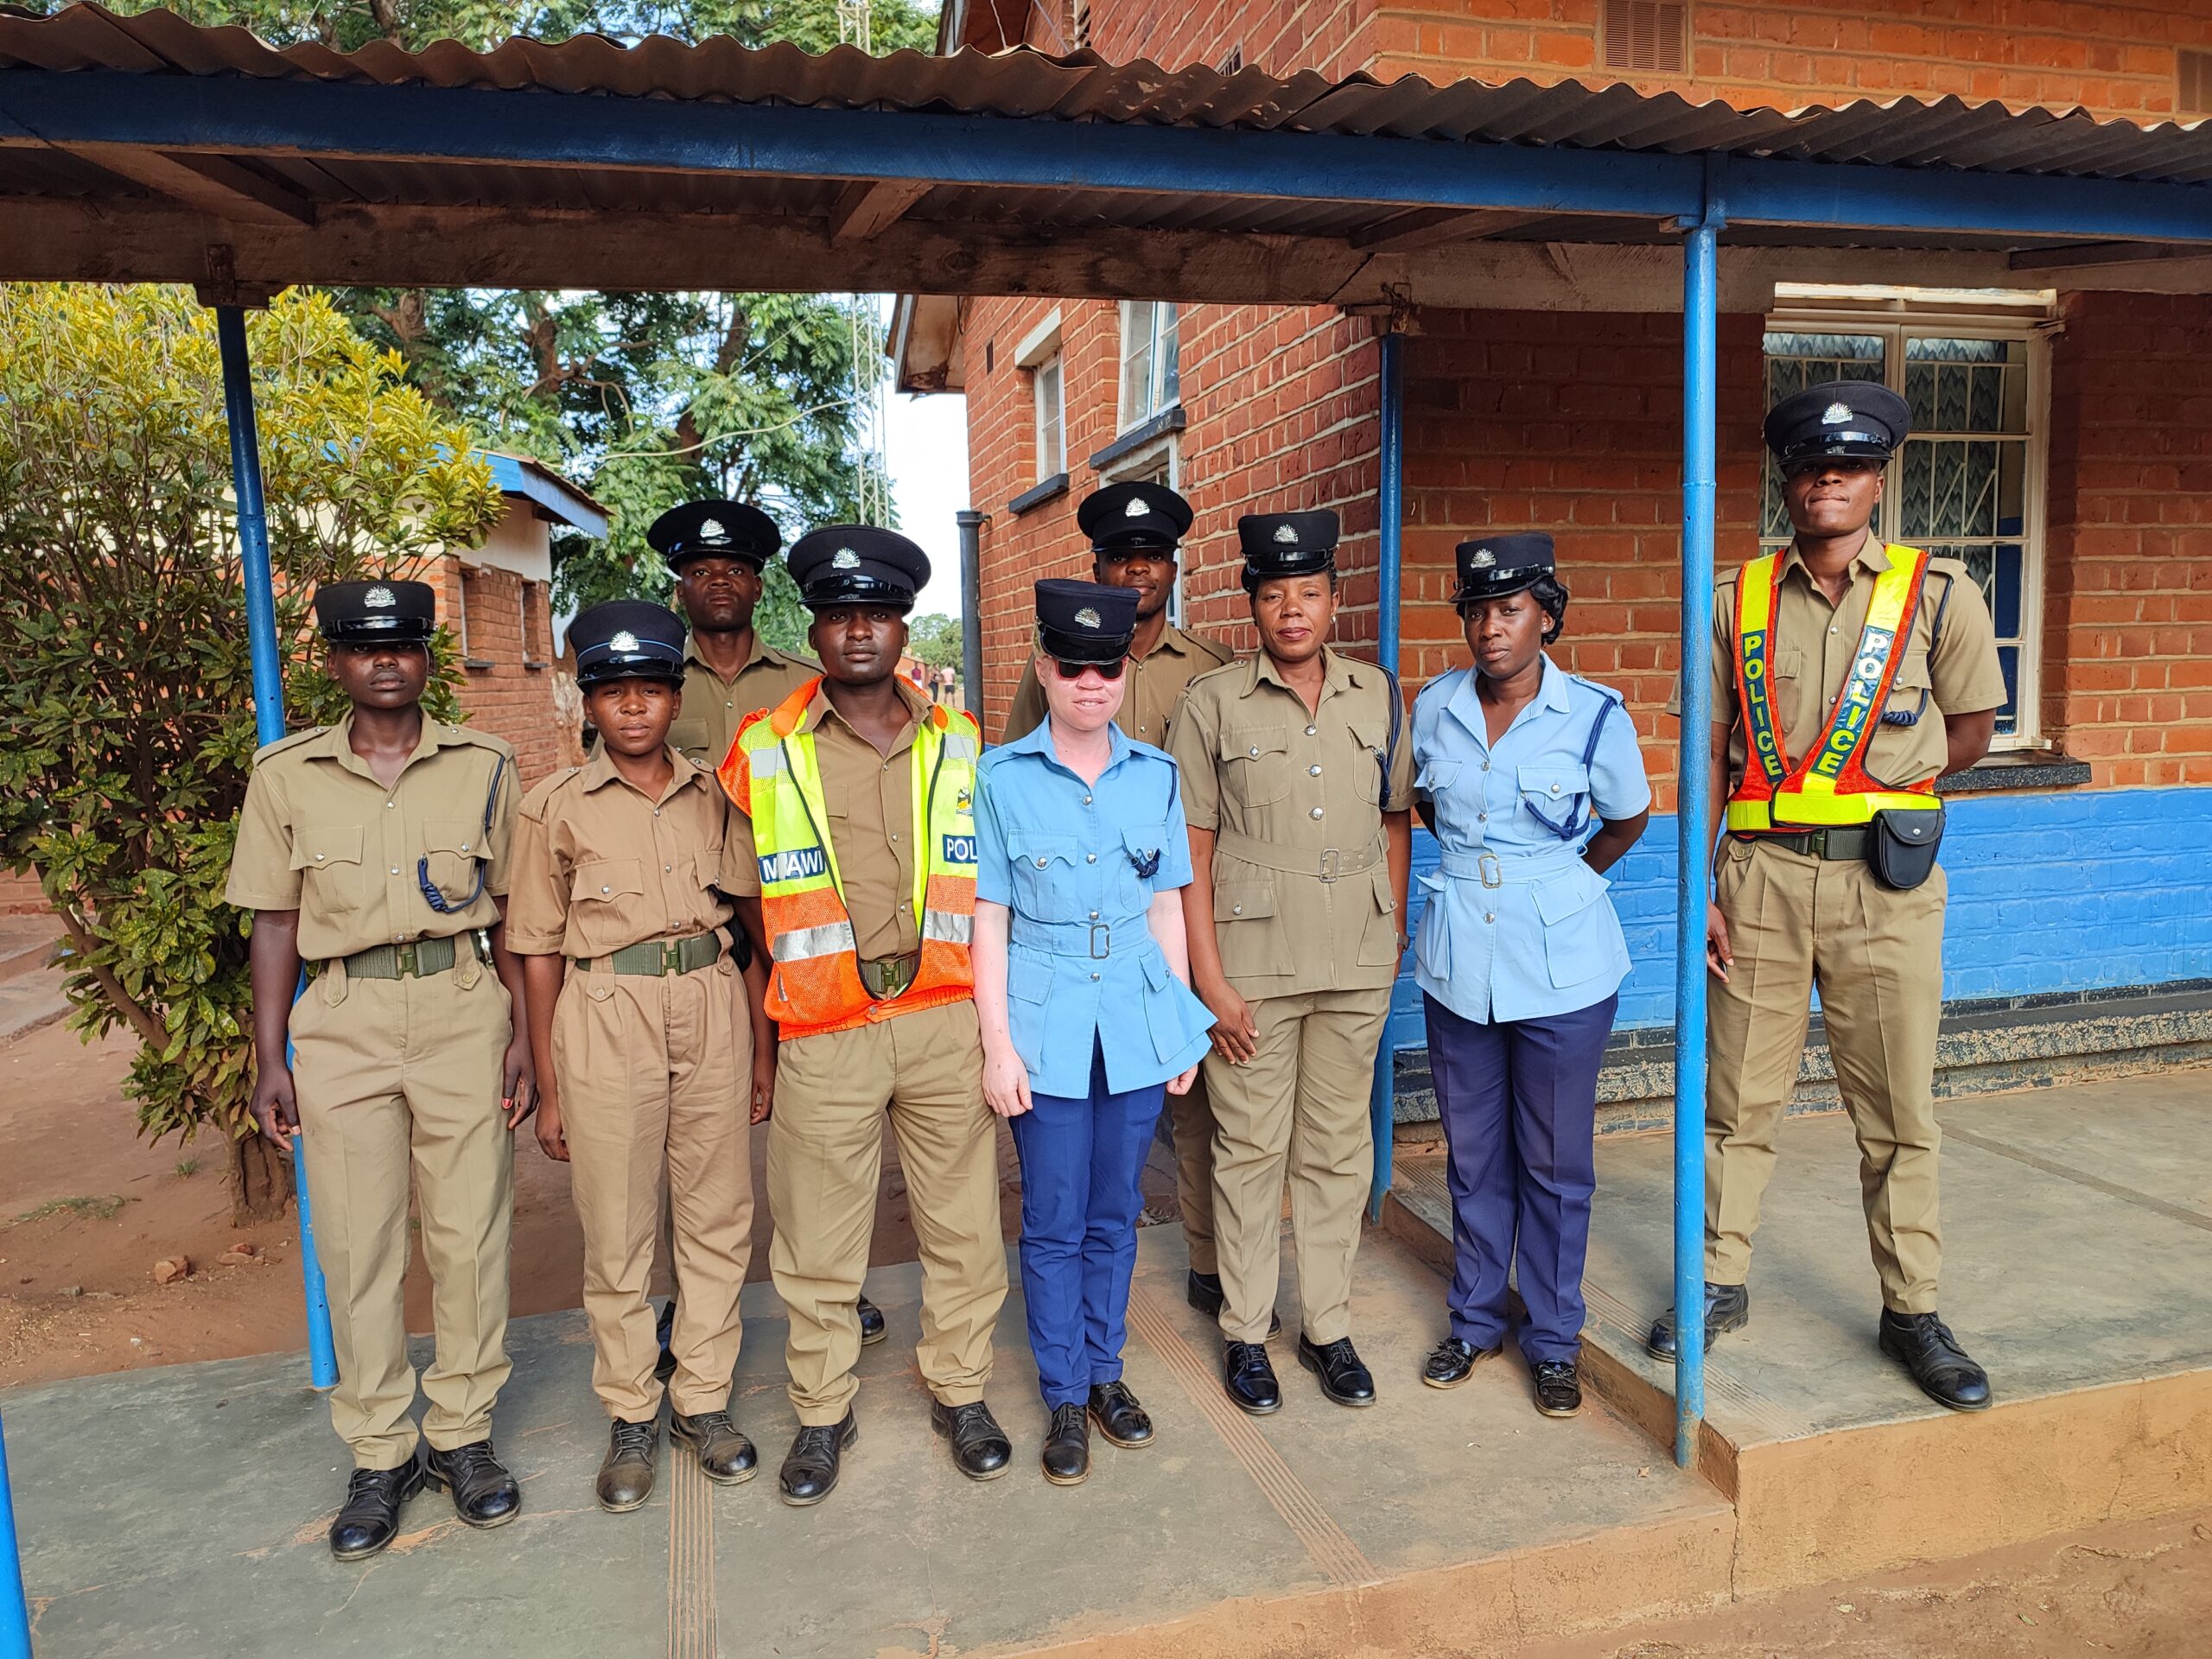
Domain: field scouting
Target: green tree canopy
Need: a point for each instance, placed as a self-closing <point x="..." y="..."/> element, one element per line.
<point x="935" y="639"/>
<point x="128" y="700"/>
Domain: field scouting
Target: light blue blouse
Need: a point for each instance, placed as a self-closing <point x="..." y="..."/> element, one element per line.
<point x="1077" y="864"/>
<point x="1516" y="926"/>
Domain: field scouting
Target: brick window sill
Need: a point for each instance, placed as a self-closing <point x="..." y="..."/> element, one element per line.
<point x="1056" y="485"/>
<point x="478" y="665"/>
<point x="534" y="664"/>
<point x="1170" y="419"/>
<point x="2018" y="769"/>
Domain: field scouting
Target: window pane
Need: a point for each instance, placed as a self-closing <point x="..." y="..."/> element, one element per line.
<point x="1966" y="385"/>
<point x="1052" y="437"/>
<point x="1165" y="355"/>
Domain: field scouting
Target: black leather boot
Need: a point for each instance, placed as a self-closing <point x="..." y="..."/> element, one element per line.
<point x="1727" y="1308"/>
<point x="724" y="1454"/>
<point x="626" y="1476"/>
<point x="1203" y="1291"/>
<point x="1250" y="1378"/>
<point x="981" y="1450"/>
<point x="370" y="1515"/>
<point x="872" y="1328"/>
<point x="1120" y="1418"/>
<point x="809" y="1472"/>
<point x="1067" y="1446"/>
<point x="1923" y="1344"/>
<point x="484" y="1493"/>
<point x="1343" y="1378"/>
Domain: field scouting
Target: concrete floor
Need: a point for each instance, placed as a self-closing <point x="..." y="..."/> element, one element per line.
<point x="180" y="1511"/>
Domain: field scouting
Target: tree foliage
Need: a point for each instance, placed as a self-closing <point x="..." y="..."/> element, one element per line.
<point x="128" y="700"/>
<point x="935" y="638"/>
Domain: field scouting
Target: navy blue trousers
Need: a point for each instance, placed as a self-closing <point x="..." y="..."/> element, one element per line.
<point x="1519" y="1101"/>
<point x="1081" y="1160"/>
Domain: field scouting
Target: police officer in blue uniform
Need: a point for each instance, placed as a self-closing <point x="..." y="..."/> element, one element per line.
<point x="1530" y="778"/>
<point x="1081" y="993"/>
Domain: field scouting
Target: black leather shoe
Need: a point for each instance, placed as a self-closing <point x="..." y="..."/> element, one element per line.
<point x="724" y="1454"/>
<point x="1119" y="1417"/>
<point x="873" y="1329"/>
<point x="1249" y="1378"/>
<point x="625" y="1477"/>
<point x="1344" y="1379"/>
<point x="981" y="1450"/>
<point x="1067" y="1446"/>
<point x="1923" y="1344"/>
<point x="1203" y="1291"/>
<point x="1727" y="1308"/>
<point x="370" y="1515"/>
<point x="1451" y="1361"/>
<point x="810" y="1471"/>
<point x="484" y="1493"/>
<point x="1559" y="1387"/>
<point x="665" y="1367"/>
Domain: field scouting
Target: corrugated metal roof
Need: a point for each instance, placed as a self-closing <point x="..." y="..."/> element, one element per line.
<point x="1024" y="84"/>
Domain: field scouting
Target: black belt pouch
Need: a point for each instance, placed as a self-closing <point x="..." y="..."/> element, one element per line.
<point x="1902" y="847"/>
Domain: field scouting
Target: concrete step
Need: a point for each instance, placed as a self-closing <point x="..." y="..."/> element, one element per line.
<point x="29" y="1001"/>
<point x="2075" y="1224"/>
<point x="26" y="944"/>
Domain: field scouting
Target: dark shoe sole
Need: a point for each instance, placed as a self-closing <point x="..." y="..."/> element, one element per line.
<point x="884" y="1335"/>
<point x="1948" y="1405"/>
<point x="1574" y="1410"/>
<point x="1249" y="1409"/>
<point x="435" y="1485"/>
<point x="845" y="1443"/>
<point x="1465" y="1376"/>
<point x="623" y="1509"/>
<point x="1350" y="1401"/>
<point x="1107" y="1435"/>
<point x="1065" y="1480"/>
<point x="363" y="1554"/>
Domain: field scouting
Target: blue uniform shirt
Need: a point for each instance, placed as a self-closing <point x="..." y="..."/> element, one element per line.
<point x="1077" y="864"/>
<point x="1516" y="926"/>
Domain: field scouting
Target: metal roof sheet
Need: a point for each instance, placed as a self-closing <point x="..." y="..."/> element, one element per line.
<point x="1021" y="83"/>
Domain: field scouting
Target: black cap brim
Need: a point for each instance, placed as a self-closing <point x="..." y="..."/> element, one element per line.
<point x="1080" y="647"/>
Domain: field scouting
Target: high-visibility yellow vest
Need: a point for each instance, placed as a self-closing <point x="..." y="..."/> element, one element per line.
<point x="814" y="983"/>
<point x="1830" y="784"/>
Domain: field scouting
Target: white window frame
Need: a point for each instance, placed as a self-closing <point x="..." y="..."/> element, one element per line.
<point x="1141" y="322"/>
<point x="1892" y="314"/>
<point x="1040" y="356"/>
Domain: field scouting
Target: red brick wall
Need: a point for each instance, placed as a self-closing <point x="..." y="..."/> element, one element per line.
<point x="506" y="689"/>
<point x="2127" y="594"/>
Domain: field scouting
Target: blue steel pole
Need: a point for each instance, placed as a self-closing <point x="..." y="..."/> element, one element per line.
<point x="1390" y="500"/>
<point x="1693" y="815"/>
<point x="269" y="722"/>
<point x="15" y="1606"/>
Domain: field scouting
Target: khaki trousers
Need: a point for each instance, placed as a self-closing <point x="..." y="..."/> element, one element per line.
<point x="1876" y="955"/>
<point x="655" y="1075"/>
<point x="394" y="1077"/>
<point x="825" y="1159"/>
<point x="1190" y="1124"/>
<point x="1299" y="1104"/>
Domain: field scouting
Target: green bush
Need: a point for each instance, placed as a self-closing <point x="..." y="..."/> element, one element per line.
<point x="127" y="699"/>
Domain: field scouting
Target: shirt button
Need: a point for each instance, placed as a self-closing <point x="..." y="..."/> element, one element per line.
<point x="1490" y="916"/>
<point x="1317" y="811"/>
<point x="318" y="858"/>
<point x="606" y="889"/>
<point x="1310" y="730"/>
<point x="1256" y="752"/>
<point x="667" y="869"/>
<point x="1091" y="858"/>
<point x="1040" y="863"/>
<point x="395" y="869"/>
<point x="1554" y="789"/>
<point x="1094" y="977"/>
<point x="1086" y="800"/>
<point x="656" y="811"/>
<point x="1094" y="915"/>
<point x="1236" y="910"/>
<point x="1485" y="766"/>
<point x="393" y="803"/>
<point x="1313" y="772"/>
<point x="1481" y="817"/>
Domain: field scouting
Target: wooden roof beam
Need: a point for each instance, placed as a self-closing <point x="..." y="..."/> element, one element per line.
<point x="867" y="208"/>
<point x="215" y="185"/>
<point x="1434" y="227"/>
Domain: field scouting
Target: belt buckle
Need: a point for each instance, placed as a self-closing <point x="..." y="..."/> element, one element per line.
<point x="1816" y="843"/>
<point x="404" y="961"/>
<point x="672" y="956"/>
<point x="1488" y="868"/>
<point x="1100" y="952"/>
<point x="1331" y="863"/>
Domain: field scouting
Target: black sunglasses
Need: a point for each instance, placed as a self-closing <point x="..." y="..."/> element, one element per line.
<point x="1106" y="670"/>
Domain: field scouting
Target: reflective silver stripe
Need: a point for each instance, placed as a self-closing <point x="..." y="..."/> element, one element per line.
<point x="946" y="927"/>
<point x="958" y="746"/>
<point x="768" y="762"/>
<point x="805" y="944"/>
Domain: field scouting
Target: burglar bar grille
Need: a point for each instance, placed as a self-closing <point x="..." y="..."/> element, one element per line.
<point x="1651" y="36"/>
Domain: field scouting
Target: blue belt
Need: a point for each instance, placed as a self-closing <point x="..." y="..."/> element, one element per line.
<point x="1494" y="869"/>
<point x="1087" y="941"/>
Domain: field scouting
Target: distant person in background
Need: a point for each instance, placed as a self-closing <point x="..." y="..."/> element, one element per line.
<point x="1531" y="780"/>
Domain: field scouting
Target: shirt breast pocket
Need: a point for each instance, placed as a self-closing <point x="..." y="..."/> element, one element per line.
<point x="692" y="737"/>
<point x="1368" y="737"/>
<point x="1045" y="879"/>
<point x="609" y="896"/>
<point x="328" y="856"/>
<point x="1142" y="852"/>
<point x="1554" y="795"/>
<point x="1248" y="929"/>
<point x="1255" y="765"/>
<point x="450" y="846"/>
<point x="1909" y="691"/>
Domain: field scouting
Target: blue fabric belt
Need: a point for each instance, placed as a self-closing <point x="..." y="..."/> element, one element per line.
<point x="1493" y="868"/>
<point x="1088" y="941"/>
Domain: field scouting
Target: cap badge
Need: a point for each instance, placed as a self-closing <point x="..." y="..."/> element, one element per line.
<point x="710" y="530"/>
<point x="1286" y="534"/>
<point x="624" y="640"/>
<point x="1481" y="559"/>
<point x="379" y="599"/>
<point x="1087" y="617"/>
<point x="845" y="559"/>
<point x="1836" y="415"/>
<point x="1137" y="508"/>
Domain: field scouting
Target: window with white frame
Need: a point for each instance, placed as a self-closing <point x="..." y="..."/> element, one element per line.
<point x="1151" y="380"/>
<point x="1039" y="356"/>
<point x="1968" y="484"/>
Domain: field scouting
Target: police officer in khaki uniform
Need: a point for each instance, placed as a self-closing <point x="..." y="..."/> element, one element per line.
<point x="717" y="550"/>
<point x="377" y="851"/>
<point x="866" y="914"/>
<point x="1298" y="786"/>
<point x="1848" y="676"/>
<point x="644" y="1043"/>
<point x="1136" y="531"/>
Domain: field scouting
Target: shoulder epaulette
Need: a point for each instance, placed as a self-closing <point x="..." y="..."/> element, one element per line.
<point x="289" y="740"/>
<point x="491" y="740"/>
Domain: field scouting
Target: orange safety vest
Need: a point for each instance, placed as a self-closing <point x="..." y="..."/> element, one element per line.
<point x="1830" y="784"/>
<point x="814" y="985"/>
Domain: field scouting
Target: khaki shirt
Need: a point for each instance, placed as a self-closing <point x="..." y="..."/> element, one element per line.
<point x="320" y="835"/>
<point x="1949" y="665"/>
<point x="1156" y="682"/>
<point x="1309" y="791"/>
<point x="869" y="798"/>
<point x="715" y="708"/>
<point x="600" y="864"/>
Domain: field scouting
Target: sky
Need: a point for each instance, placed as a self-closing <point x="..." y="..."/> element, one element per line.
<point x="925" y="452"/>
